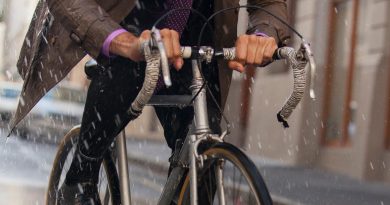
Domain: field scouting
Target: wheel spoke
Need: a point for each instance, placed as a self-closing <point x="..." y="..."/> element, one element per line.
<point x="238" y="192"/>
<point x="62" y="163"/>
<point x="240" y="178"/>
<point x="234" y="177"/>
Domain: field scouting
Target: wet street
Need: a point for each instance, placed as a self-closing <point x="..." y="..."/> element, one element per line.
<point x="25" y="167"/>
<point x="24" y="170"/>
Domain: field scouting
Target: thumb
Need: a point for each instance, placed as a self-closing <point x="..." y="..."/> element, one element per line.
<point x="235" y="65"/>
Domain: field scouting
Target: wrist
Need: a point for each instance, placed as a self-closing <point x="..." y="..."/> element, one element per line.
<point x="107" y="43"/>
<point x="126" y="45"/>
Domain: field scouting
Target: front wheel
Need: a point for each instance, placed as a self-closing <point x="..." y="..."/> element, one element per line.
<point x="228" y="176"/>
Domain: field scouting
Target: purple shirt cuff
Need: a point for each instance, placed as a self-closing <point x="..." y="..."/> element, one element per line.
<point x="261" y="34"/>
<point x="107" y="42"/>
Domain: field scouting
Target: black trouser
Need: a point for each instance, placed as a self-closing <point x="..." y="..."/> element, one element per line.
<point x="110" y="95"/>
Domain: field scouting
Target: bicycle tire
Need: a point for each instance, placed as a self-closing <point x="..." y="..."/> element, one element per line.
<point x="230" y="153"/>
<point x="64" y="149"/>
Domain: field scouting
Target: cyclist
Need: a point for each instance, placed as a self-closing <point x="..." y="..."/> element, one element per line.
<point x="62" y="32"/>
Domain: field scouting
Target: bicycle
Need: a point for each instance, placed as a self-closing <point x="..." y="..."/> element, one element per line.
<point x="203" y="154"/>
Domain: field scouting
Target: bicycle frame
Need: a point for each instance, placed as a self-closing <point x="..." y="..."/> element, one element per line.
<point x="199" y="131"/>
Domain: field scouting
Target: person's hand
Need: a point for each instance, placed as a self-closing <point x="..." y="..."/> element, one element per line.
<point x="127" y="45"/>
<point x="252" y="50"/>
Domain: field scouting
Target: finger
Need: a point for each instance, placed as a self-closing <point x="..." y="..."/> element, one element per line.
<point x="260" y="51"/>
<point x="175" y="44"/>
<point x="177" y="59"/>
<point x="269" y="50"/>
<point x="178" y="63"/>
<point x="145" y="35"/>
<point x="252" y="47"/>
<point x="235" y="65"/>
<point x="167" y="39"/>
<point x="241" y="48"/>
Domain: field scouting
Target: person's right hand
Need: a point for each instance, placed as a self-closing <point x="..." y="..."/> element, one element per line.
<point x="128" y="45"/>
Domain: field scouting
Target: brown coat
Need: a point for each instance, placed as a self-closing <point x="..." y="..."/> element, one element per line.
<point x="57" y="40"/>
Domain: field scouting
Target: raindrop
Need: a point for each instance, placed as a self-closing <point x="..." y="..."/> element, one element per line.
<point x="86" y="144"/>
<point x="80" y="188"/>
<point x="225" y="29"/>
<point x="136" y="21"/>
<point x="22" y="102"/>
<point x="44" y="38"/>
<point x="137" y="4"/>
<point x="40" y="76"/>
<point x="28" y="42"/>
<point x="60" y="59"/>
<point x="98" y="114"/>
<point x="9" y="74"/>
<point x="372" y="166"/>
<point x="100" y="11"/>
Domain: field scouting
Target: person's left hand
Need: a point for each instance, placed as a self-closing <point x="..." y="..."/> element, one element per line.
<point x="252" y="50"/>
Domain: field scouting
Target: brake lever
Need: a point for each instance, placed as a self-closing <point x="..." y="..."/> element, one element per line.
<point x="157" y="41"/>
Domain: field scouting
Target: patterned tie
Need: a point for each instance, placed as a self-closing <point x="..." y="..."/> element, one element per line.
<point x="177" y="21"/>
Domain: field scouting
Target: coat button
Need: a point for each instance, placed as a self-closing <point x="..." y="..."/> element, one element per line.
<point x="75" y="38"/>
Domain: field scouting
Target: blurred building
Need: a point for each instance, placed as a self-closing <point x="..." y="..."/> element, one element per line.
<point x="16" y="26"/>
<point x="2" y="31"/>
<point x="13" y="28"/>
<point x="346" y="128"/>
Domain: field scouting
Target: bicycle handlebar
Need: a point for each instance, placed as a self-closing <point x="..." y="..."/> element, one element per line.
<point x="296" y="61"/>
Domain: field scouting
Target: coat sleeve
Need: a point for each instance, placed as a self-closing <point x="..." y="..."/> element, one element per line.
<point x="260" y="21"/>
<point x="88" y="23"/>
